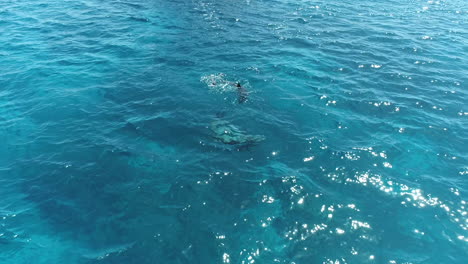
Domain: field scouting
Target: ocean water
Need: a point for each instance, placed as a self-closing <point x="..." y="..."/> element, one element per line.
<point x="108" y="152"/>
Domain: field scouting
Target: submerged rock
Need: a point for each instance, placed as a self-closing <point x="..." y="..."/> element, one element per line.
<point x="232" y="135"/>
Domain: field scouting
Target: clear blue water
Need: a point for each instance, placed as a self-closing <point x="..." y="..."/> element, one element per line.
<point x="107" y="154"/>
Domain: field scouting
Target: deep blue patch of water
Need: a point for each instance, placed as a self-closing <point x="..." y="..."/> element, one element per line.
<point x="109" y="155"/>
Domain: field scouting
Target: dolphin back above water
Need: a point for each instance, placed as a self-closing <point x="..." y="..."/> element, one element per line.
<point x="219" y="84"/>
<point x="227" y="133"/>
<point x="242" y="93"/>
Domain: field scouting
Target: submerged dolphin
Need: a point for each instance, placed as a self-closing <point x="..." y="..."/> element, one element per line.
<point x="232" y="135"/>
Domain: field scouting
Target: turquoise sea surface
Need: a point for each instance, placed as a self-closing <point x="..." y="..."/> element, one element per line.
<point x="124" y="138"/>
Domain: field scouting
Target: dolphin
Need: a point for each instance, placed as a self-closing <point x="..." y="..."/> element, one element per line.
<point x="241" y="93"/>
<point x="227" y="133"/>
